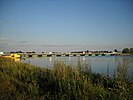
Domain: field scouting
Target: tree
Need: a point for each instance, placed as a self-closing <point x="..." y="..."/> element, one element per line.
<point x="131" y="50"/>
<point x="125" y="50"/>
<point x="115" y="50"/>
<point x="19" y="52"/>
<point x="33" y="52"/>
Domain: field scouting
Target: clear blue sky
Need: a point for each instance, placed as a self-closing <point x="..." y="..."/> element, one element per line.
<point x="66" y="24"/>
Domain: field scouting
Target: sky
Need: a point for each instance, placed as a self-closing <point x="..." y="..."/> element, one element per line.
<point x="65" y="25"/>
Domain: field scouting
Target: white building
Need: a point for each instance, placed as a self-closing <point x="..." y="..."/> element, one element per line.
<point x="1" y="53"/>
<point x="50" y="52"/>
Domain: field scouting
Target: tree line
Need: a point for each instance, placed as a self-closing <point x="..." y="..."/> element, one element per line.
<point x="127" y="50"/>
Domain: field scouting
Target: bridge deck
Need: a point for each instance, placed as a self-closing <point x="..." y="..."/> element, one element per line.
<point x="67" y="55"/>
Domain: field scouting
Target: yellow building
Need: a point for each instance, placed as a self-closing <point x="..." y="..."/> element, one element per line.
<point x="15" y="57"/>
<point x="12" y="56"/>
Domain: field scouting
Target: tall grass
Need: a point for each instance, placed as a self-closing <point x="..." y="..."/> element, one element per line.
<point x="19" y="81"/>
<point x="122" y="69"/>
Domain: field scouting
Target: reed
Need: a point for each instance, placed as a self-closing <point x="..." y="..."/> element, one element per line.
<point x="122" y="69"/>
<point x="61" y="82"/>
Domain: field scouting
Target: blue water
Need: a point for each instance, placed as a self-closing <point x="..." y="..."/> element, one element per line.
<point x="99" y="64"/>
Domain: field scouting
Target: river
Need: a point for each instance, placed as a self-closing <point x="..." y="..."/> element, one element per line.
<point x="99" y="64"/>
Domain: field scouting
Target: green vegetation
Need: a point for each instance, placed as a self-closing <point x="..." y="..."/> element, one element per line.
<point x="115" y="50"/>
<point x="127" y="50"/>
<point x="19" y="81"/>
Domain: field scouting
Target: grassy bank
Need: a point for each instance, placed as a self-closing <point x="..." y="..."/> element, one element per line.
<point x="19" y="81"/>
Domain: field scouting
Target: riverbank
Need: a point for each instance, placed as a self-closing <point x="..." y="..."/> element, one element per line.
<point x="77" y="82"/>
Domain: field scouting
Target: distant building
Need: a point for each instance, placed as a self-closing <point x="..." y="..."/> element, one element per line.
<point x="1" y="53"/>
<point x="83" y="52"/>
<point x="50" y="52"/>
<point x="115" y="52"/>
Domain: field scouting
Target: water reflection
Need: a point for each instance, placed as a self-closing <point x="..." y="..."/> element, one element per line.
<point x="16" y="59"/>
<point x="69" y="58"/>
<point x="50" y="59"/>
<point x="83" y="58"/>
<point x="106" y="64"/>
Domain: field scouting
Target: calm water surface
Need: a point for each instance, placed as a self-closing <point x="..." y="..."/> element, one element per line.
<point x="99" y="64"/>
